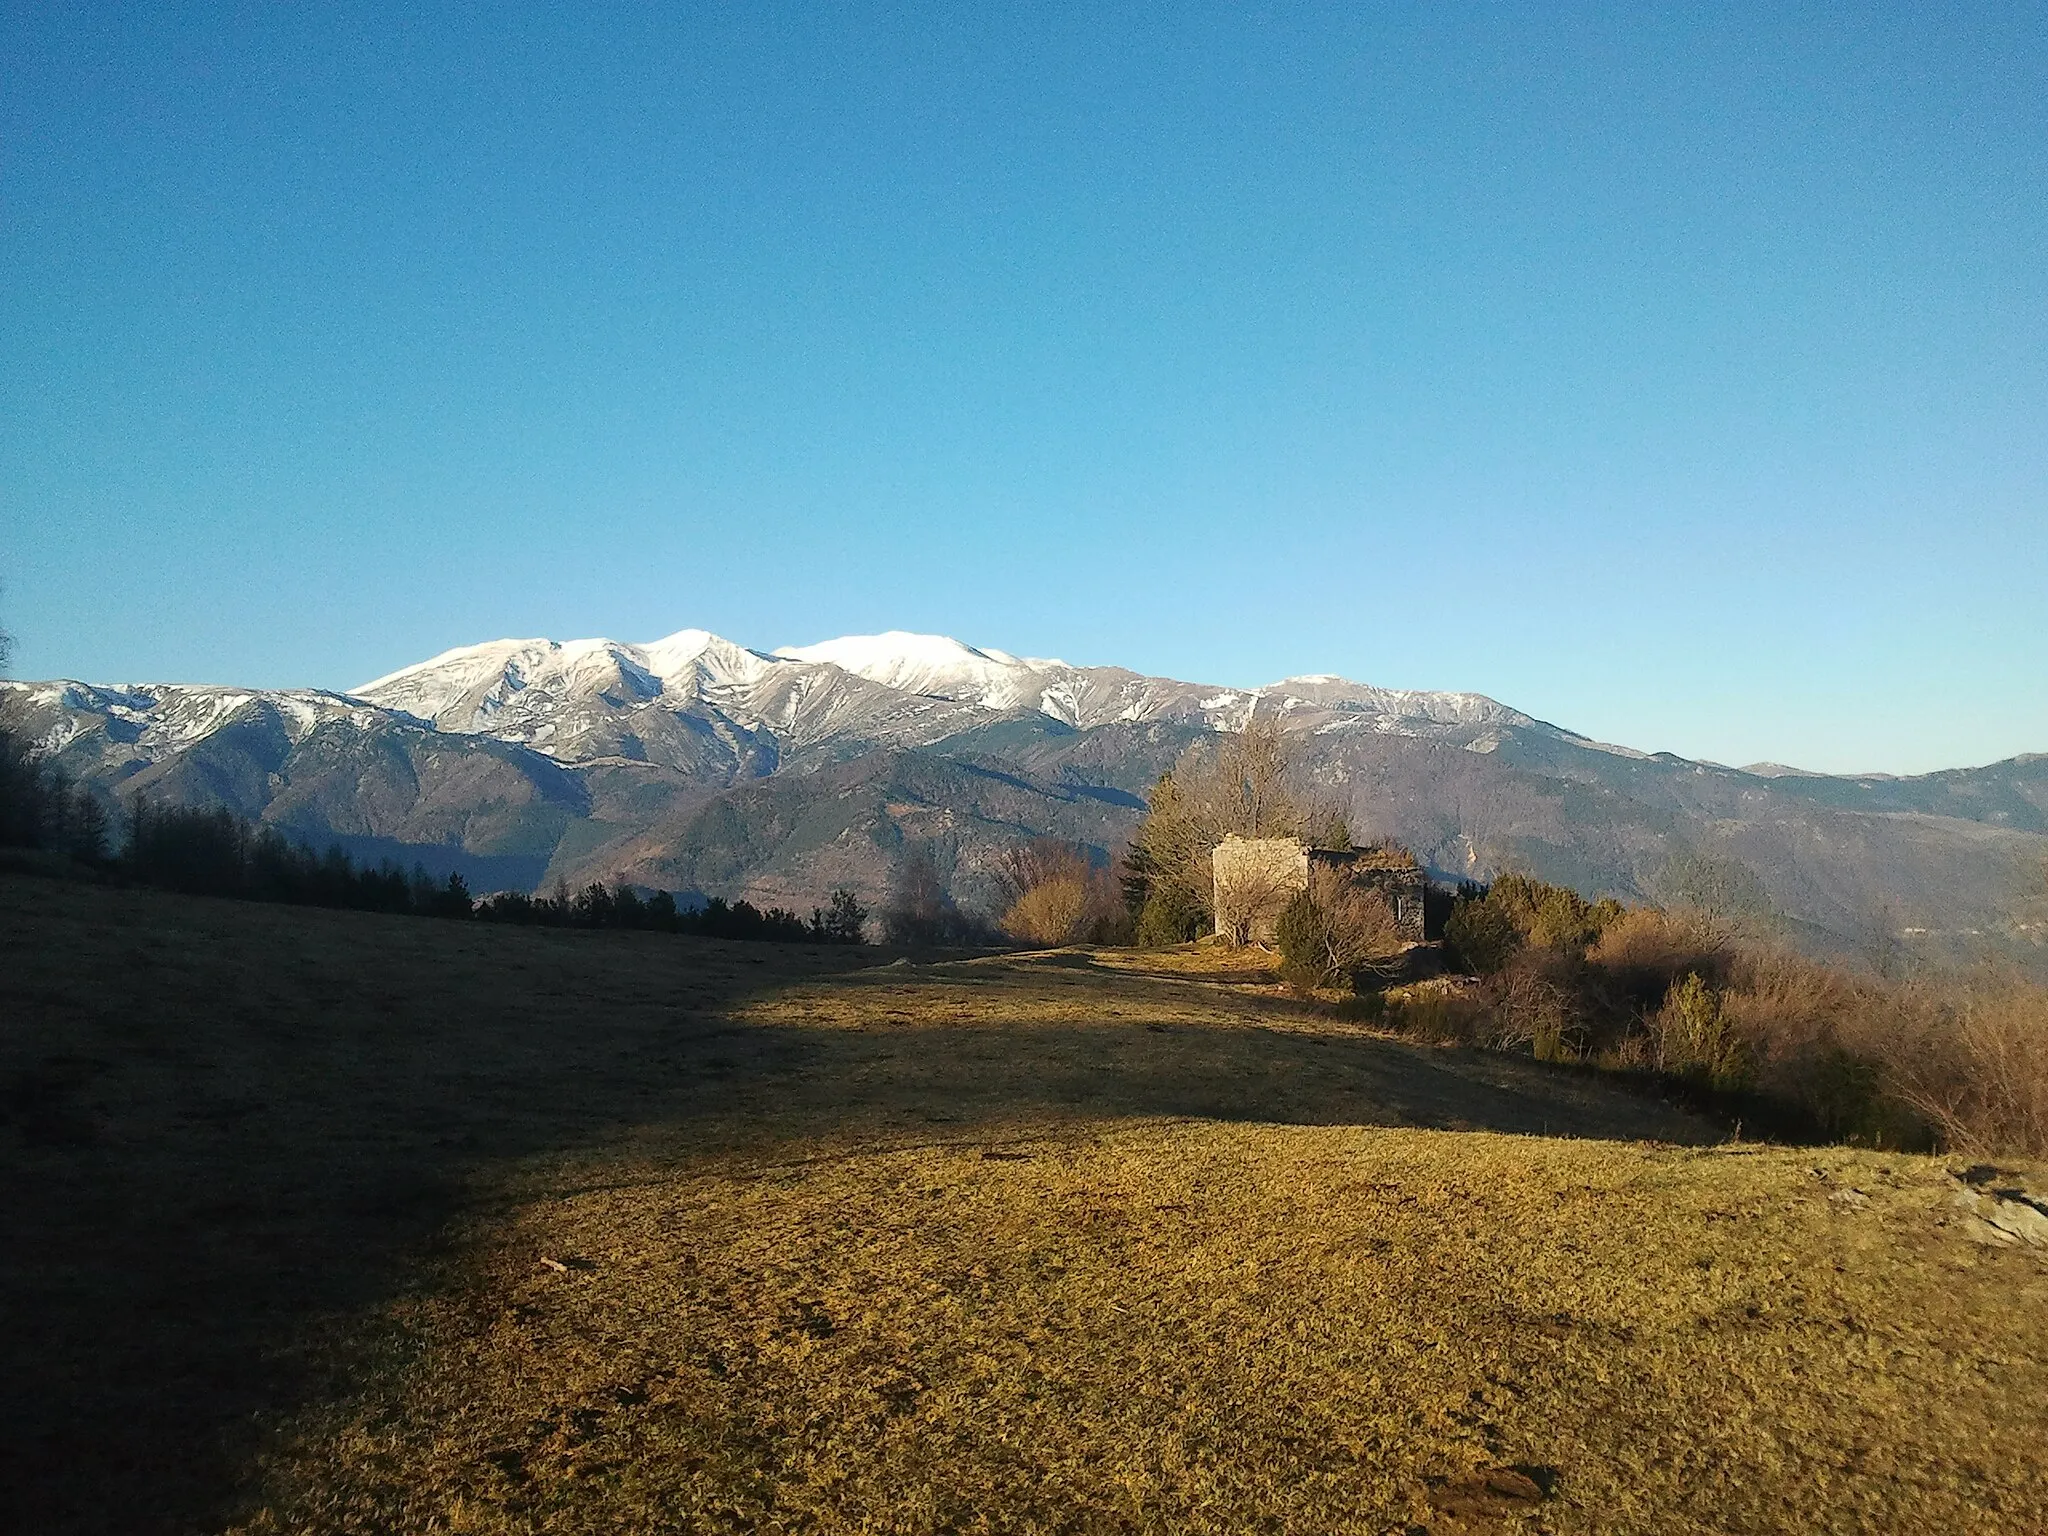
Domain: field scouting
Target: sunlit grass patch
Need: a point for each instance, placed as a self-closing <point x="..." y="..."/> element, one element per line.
<point x="328" y="1222"/>
<point x="1186" y="1326"/>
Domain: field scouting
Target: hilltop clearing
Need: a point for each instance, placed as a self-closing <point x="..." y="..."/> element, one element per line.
<point x="329" y="1221"/>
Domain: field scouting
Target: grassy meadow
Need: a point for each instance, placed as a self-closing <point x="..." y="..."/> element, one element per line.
<point x="324" y="1221"/>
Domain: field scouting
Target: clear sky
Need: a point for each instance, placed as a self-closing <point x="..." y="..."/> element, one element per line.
<point x="1682" y="381"/>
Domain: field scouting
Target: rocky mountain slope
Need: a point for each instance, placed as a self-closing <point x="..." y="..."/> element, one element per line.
<point x="695" y="764"/>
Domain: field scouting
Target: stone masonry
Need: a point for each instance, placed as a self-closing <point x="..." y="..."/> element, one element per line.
<point x="1255" y="878"/>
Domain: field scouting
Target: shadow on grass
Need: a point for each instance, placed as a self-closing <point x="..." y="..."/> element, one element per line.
<point x="228" y="1127"/>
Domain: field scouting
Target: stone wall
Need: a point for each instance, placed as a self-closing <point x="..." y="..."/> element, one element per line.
<point x="1255" y="878"/>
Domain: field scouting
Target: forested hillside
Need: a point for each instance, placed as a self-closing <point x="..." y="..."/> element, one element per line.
<point x="695" y="765"/>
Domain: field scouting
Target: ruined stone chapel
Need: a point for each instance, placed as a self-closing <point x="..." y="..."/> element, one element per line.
<point x="1256" y="877"/>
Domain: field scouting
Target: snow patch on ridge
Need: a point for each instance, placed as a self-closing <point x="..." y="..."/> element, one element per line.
<point x="673" y="699"/>
<point x="936" y="666"/>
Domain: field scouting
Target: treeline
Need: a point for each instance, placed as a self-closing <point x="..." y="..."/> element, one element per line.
<point x="619" y="906"/>
<point x="216" y="853"/>
<point x="40" y="808"/>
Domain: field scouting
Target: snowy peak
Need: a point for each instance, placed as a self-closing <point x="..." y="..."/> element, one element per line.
<point x="703" y="705"/>
<point x="472" y="675"/>
<point x="701" y="659"/>
<point x="935" y="666"/>
<point x="669" y="701"/>
<point x="469" y="688"/>
<point x="1392" y="704"/>
<point x="528" y="690"/>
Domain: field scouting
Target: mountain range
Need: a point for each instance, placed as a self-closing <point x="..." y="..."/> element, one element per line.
<point x="694" y="764"/>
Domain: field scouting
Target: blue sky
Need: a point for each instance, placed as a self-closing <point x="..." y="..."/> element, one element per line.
<point x="1684" y="382"/>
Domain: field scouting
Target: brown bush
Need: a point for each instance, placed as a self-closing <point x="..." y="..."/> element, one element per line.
<point x="1645" y="950"/>
<point x="1961" y="1061"/>
<point x="1816" y="1037"/>
<point x="1973" y="1060"/>
<point x="1051" y="912"/>
<point x="1957" y="1061"/>
<point x="1059" y="897"/>
<point x="1540" y="1002"/>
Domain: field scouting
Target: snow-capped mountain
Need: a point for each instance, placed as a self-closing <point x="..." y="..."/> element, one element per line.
<point x="679" y="701"/>
<point x="691" y="762"/>
<point x="580" y="700"/>
<point x="505" y="747"/>
<point x="485" y="687"/>
<point x="1089" y="696"/>
<point x="157" y="719"/>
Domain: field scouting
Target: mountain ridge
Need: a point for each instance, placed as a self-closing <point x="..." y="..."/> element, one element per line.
<point x="538" y="760"/>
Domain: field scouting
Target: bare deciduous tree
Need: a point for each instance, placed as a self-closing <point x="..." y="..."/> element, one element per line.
<point x="1249" y="785"/>
<point x="1254" y="792"/>
<point x="1056" y="895"/>
<point x="920" y="909"/>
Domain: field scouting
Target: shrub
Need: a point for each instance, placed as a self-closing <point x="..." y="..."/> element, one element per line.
<point x="1058" y="896"/>
<point x="1550" y="915"/>
<point x="1974" y="1062"/>
<point x="1302" y="979"/>
<point x="1054" y="911"/>
<point x="1364" y="1008"/>
<point x="1642" y="952"/>
<point x="1962" y="1062"/>
<point x="1336" y="931"/>
<point x="1694" y="1037"/>
<point x="1172" y="914"/>
<point x="1480" y="937"/>
<point x="1438" y="1017"/>
<point x="1487" y="925"/>
<point x="1540" y="1002"/>
<point x="1299" y="931"/>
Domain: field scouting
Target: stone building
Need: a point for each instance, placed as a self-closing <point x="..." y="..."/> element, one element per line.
<point x="1255" y="877"/>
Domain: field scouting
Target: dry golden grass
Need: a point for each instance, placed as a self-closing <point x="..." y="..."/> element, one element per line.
<point x="1203" y="1327"/>
<point x="333" y="1223"/>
